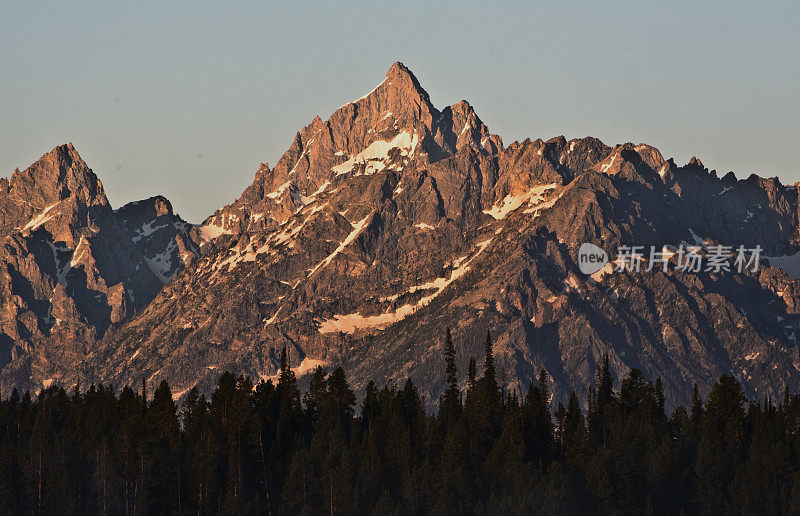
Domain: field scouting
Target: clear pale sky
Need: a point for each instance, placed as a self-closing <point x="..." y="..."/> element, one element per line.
<point x="186" y="99"/>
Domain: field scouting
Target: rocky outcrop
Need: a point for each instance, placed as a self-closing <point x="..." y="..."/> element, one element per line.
<point x="167" y="242"/>
<point x="397" y="116"/>
<point x="71" y="267"/>
<point x="392" y="220"/>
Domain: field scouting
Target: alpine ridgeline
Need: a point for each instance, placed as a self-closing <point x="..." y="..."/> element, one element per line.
<point x="72" y="268"/>
<point x="377" y="230"/>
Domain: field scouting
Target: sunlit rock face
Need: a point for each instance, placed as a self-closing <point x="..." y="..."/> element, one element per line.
<point x="384" y="225"/>
<point x="72" y="267"/>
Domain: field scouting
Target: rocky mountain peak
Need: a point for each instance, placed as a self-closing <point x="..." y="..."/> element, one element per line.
<point x="695" y="162"/>
<point x="399" y="71"/>
<point x="399" y="98"/>
<point x="640" y="163"/>
<point x="71" y="266"/>
<point x="400" y="78"/>
<point x="147" y="209"/>
<point x="393" y="127"/>
<point x="59" y="174"/>
<point x="58" y="178"/>
<point x="382" y="226"/>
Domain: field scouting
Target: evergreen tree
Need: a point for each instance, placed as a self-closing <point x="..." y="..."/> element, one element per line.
<point x="574" y="425"/>
<point x="721" y="444"/>
<point x="450" y="402"/>
<point x="697" y="409"/>
<point x="450" y="361"/>
<point x="537" y="421"/>
<point x="489" y="390"/>
<point x="471" y="373"/>
<point x="489" y="373"/>
<point x="256" y="450"/>
<point x="605" y="384"/>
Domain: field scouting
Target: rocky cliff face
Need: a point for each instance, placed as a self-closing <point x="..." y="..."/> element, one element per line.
<point x="392" y="220"/>
<point x="71" y="267"/>
<point x="393" y="126"/>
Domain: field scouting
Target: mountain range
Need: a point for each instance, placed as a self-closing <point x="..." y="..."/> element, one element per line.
<point x="379" y="228"/>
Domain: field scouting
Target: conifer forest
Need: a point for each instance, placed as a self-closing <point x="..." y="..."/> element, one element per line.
<point x="270" y="449"/>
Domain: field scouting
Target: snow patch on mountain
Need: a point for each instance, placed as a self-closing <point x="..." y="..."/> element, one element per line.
<point x="319" y="190"/>
<point x="357" y="229"/>
<point x="161" y="263"/>
<point x="146" y="230"/>
<point x="308" y="365"/>
<point x="279" y="191"/>
<point x="61" y="271"/>
<point x="210" y="231"/>
<point x="510" y="202"/>
<point x="789" y="263"/>
<point x="43" y="217"/>
<point x="604" y="168"/>
<point x="80" y="252"/>
<point x="349" y="323"/>
<point x="376" y="156"/>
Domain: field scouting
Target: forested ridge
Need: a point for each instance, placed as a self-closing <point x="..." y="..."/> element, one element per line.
<point x="267" y="449"/>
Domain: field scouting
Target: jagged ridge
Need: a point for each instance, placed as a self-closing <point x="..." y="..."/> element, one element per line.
<point x="392" y="220"/>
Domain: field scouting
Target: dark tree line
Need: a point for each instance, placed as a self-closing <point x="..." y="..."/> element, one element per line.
<point x="265" y="449"/>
